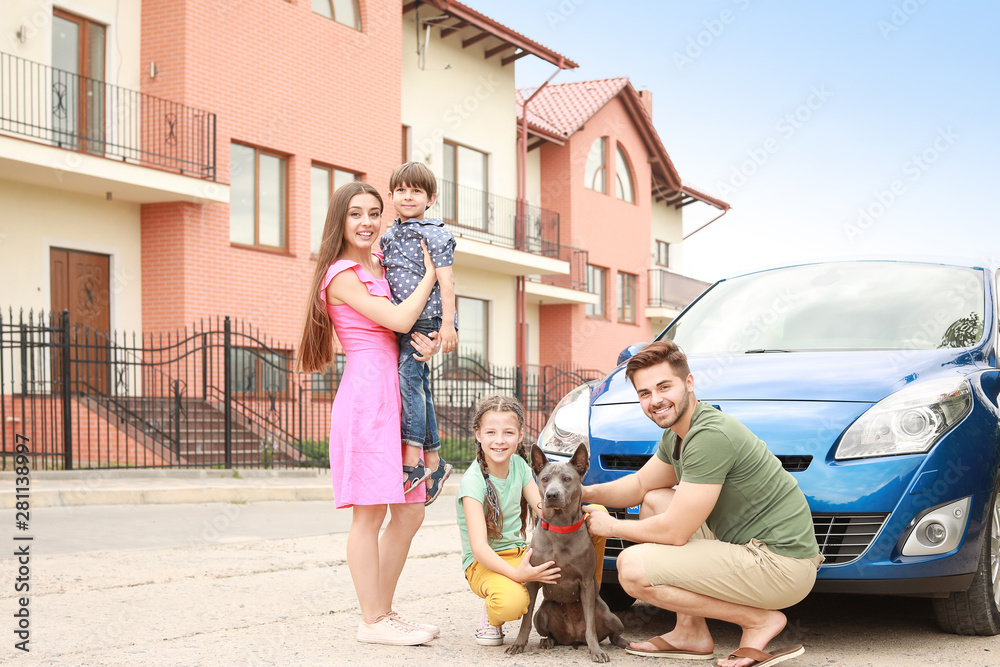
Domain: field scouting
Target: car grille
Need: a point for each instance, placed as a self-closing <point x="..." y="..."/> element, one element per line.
<point x="623" y="461"/>
<point x="842" y="538"/>
<point x="632" y="462"/>
<point x="615" y="545"/>
<point x="795" y="463"/>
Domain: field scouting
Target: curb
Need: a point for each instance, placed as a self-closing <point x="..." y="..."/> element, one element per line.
<point x="160" y="487"/>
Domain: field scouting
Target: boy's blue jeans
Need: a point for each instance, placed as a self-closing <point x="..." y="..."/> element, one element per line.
<point x="419" y="425"/>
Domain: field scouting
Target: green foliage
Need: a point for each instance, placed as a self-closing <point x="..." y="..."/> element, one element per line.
<point x="459" y="452"/>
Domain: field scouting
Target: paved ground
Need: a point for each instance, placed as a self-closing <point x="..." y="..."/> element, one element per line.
<point x="266" y="583"/>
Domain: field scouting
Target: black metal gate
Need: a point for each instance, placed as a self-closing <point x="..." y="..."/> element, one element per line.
<point x="219" y="395"/>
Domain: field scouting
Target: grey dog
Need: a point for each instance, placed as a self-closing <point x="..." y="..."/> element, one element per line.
<point x="573" y="612"/>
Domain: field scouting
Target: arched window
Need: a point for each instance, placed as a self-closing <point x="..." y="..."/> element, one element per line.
<point x="623" y="177"/>
<point x="596" y="175"/>
<point x="341" y="11"/>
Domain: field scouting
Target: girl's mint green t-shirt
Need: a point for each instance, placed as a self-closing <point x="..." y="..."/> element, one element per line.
<point x="509" y="491"/>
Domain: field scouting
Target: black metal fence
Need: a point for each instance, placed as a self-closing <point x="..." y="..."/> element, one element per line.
<point x="218" y="395"/>
<point x="90" y="115"/>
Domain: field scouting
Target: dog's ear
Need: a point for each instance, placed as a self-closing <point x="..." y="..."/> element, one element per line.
<point x="538" y="459"/>
<point x="581" y="460"/>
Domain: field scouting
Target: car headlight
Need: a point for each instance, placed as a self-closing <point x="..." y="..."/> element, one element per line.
<point x="569" y="424"/>
<point x="909" y="421"/>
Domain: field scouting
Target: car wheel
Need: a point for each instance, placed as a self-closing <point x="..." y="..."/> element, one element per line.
<point x="616" y="597"/>
<point x="977" y="610"/>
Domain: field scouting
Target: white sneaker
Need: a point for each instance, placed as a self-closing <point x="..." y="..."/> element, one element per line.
<point x="433" y="630"/>
<point x="388" y="630"/>
<point x="488" y="635"/>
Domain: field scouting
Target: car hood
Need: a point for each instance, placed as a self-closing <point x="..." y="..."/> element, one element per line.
<point x="866" y="376"/>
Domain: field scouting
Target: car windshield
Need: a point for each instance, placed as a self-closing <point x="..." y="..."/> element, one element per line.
<point x="838" y="306"/>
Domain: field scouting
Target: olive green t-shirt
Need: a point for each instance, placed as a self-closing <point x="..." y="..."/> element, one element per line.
<point x="759" y="498"/>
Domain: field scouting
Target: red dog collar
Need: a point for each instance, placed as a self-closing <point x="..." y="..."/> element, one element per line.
<point x="563" y="529"/>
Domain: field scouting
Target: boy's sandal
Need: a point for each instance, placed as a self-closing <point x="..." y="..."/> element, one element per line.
<point x="438" y="478"/>
<point x="414" y="476"/>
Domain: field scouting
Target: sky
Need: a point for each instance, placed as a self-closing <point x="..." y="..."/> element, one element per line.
<point x="847" y="128"/>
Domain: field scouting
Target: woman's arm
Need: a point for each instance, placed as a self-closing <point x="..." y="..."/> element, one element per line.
<point x="475" y="523"/>
<point x="346" y="288"/>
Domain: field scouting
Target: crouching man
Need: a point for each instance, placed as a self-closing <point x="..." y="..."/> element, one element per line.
<point x="724" y="531"/>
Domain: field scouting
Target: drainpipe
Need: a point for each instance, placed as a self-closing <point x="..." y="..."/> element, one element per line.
<point x="521" y="294"/>
<point x="687" y="236"/>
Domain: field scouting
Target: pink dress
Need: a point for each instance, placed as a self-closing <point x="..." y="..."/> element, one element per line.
<point x="366" y="450"/>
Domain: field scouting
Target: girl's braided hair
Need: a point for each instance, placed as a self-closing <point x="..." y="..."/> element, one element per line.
<point x="491" y="508"/>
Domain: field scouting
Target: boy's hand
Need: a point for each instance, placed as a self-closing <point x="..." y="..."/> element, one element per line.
<point x="449" y="338"/>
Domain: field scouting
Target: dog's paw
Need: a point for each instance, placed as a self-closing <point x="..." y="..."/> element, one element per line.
<point x="547" y="642"/>
<point x="515" y="648"/>
<point x="599" y="656"/>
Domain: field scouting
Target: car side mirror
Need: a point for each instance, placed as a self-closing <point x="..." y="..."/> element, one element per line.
<point x="629" y="352"/>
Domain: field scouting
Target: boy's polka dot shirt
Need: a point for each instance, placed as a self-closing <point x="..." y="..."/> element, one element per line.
<point x="404" y="261"/>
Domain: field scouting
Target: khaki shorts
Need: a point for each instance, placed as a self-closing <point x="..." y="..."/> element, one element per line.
<point x="747" y="574"/>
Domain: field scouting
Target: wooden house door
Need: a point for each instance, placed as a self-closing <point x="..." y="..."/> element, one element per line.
<point x="81" y="284"/>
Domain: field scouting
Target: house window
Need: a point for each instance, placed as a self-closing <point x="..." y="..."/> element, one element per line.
<point x="324" y="383"/>
<point x="596" y="175"/>
<point x="324" y="182"/>
<point x="342" y="11"/>
<point x="256" y="197"/>
<point x="474" y="332"/>
<point x="463" y="188"/>
<point x="626" y="297"/>
<point x="257" y="371"/>
<point x="623" y="177"/>
<point x="662" y="253"/>
<point x="596" y="284"/>
<point x="78" y="104"/>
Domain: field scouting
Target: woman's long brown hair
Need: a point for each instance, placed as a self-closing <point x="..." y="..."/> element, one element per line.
<point x="315" y="349"/>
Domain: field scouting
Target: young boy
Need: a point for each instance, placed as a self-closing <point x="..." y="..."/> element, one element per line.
<point x="413" y="189"/>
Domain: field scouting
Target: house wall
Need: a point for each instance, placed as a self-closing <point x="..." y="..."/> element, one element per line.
<point x="498" y="290"/>
<point x="616" y="234"/>
<point x="122" y="20"/>
<point x="533" y="174"/>
<point x="280" y="78"/>
<point x="37" y="219"/>
<point x="667" y="225"/>
<point x="461" y="97"/>
<point x="470" y="103"/>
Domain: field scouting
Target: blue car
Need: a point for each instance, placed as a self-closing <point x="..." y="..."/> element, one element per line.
<point x="876" y="385"/>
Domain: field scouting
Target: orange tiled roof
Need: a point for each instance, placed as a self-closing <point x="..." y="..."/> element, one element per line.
<point x="559" y="110"/>
<point x="562" y="109"/>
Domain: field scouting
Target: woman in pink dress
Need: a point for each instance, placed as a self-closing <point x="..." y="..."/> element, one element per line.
<point x="350" y="295"/>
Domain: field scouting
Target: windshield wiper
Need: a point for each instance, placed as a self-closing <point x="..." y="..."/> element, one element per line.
<point x="760" y="350"/>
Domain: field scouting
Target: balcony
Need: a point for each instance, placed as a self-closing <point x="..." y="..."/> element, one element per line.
<point x="498" y="234"/>
<point x="669" y="294"/>
<point x="563" y="289"/>
<point x="90" y="136"/>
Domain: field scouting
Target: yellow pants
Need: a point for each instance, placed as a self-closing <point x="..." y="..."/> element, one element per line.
<point x="506" y="599"/>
